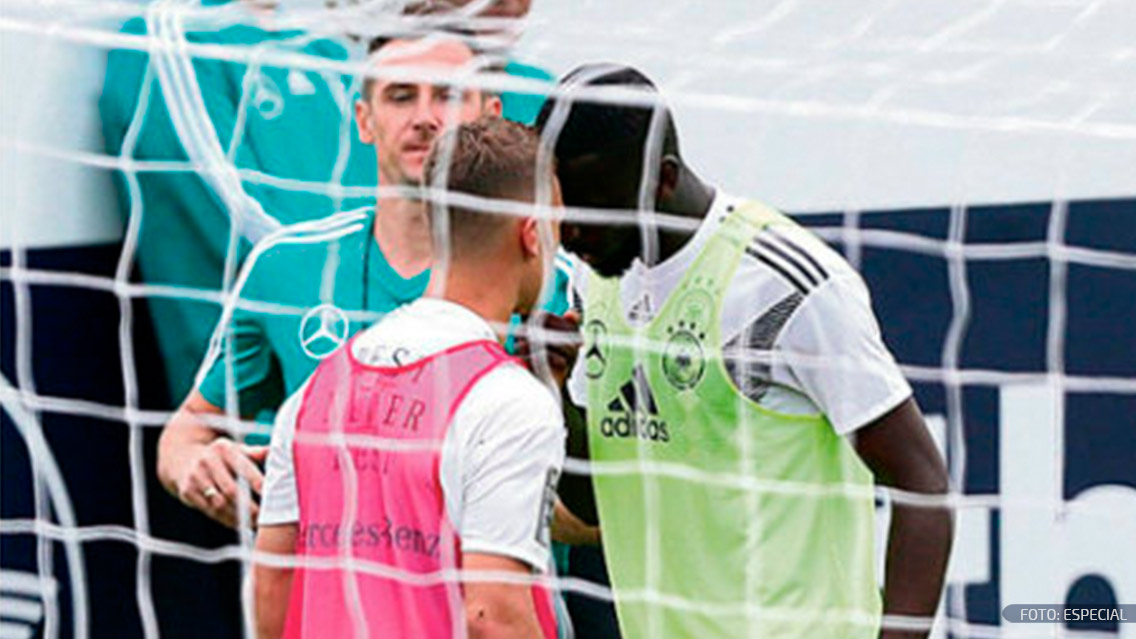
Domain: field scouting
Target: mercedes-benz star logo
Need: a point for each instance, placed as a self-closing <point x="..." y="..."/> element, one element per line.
<point x="323" y="329"/>
<point x="595" y="356"/>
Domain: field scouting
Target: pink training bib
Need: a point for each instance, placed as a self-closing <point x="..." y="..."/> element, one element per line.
<point x="373" y="529"/>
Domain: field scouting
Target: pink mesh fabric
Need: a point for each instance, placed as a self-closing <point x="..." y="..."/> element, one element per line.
<point x="372" y="513"/>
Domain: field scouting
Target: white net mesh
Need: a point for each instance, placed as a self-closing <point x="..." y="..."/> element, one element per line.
<point x="909" y="131"/>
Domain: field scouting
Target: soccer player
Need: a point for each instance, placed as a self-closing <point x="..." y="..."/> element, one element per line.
<point x="760" y="399"/>
<point x="365" y="260"/>
<point x="481" y="439"/>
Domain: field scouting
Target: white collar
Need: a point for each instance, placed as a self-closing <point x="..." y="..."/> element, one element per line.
<point x="645" y="288"/>
<point x="460" y="317"/>
<point x="720" y="206"/>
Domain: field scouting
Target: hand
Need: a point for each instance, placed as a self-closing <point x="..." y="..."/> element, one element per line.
<point x="556" y="340"/>
<point x="208" y="478"/>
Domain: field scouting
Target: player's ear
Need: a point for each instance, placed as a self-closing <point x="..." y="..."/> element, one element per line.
<point x="363" y="121"/>
<point x="491" y="105"/>
<point x="669" y="169"/>
<point x="530" y="237"/>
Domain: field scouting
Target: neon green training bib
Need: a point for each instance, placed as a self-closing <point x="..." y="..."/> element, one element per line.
<point x="720" y="519"/>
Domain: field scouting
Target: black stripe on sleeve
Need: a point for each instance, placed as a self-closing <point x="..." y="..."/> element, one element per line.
<point x="789" y="259"/>
<point x="796" y="248"/>
<point x="777" y="267"/>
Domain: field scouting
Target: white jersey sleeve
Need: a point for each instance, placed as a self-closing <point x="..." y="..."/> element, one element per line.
<point x="500" y="474"/>
<point x="278" y="502"/>
<point x="577" y="382"/>
<point x="835" y="355"/>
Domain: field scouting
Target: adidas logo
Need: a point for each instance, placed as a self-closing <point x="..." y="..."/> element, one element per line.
<point x="641" y="310"/>
<point x="637" y="413"/>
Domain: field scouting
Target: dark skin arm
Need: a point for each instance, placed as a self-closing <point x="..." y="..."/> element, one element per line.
<point x="901" y="454"/>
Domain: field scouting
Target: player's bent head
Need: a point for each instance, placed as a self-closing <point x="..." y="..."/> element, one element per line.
<point x="494" y="159"/>
<point x="600" y="144"/>
<point x="419" y="87"/>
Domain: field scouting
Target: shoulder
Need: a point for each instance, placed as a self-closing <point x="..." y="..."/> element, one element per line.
<point x="510" y="398"/>
<point x="312" y="238"/>
<point x="523" y="70"/>
<point x="237" y="34"/>
<point x="134" y="26"/>
<point x="785" y="270"/>
<point x="299" y="250"/>
<point x="122" y="85"/>
<point x="798" y="258"/>
<point x="327" y="48"/>
<point x="514" y="389"/>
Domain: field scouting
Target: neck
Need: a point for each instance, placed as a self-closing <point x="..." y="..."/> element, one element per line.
<point x="483" y="287"/>
<point x="691" y="198"/>
<point x="402" y="231"/>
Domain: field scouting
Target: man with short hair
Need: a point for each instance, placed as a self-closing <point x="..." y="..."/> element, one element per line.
<point x="422" y="447"/>
<point x="743" y="370"/>
<point x="265" y="125"/>
<point x="321" y="280"/>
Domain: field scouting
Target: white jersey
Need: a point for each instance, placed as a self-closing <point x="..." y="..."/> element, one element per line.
<point x="500" y="458"/>
<point x="798" y="332"/>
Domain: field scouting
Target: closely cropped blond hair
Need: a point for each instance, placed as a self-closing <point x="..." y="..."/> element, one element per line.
<point x="489" y="158"/>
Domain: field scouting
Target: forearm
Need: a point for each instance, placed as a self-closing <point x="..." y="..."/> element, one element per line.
<point x="496" y="609"/>
<point x="204" y="469"/>
<point x="901" y="454"/>
<point x="513" y="623"/>
<point x="273" y="588"/>
<point x="272" y="585"/>
<point x="919" y="545"/>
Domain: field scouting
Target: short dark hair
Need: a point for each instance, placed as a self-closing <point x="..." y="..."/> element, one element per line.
<point x="492" y="158"/>
<point x="594" y="127"/>
<point x="373" y="47"/>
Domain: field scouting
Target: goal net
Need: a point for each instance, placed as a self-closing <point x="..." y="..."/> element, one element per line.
<point x="972" y="160"/>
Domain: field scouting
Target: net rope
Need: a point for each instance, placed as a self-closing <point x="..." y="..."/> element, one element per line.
<point x="171" y="73"/>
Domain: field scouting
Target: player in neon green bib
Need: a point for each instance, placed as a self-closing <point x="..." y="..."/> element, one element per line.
<point x="725" y="510"/>
<point x="696" y="420"/>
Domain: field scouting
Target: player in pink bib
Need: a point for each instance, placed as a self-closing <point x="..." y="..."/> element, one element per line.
<point x="420" y="450"/>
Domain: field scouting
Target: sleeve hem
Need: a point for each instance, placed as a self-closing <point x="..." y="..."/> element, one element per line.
<point x="873" y="412"/>
<point x="537" y="561"/>
<point x="278" y="517"/>
<point x="209" y="392"/>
